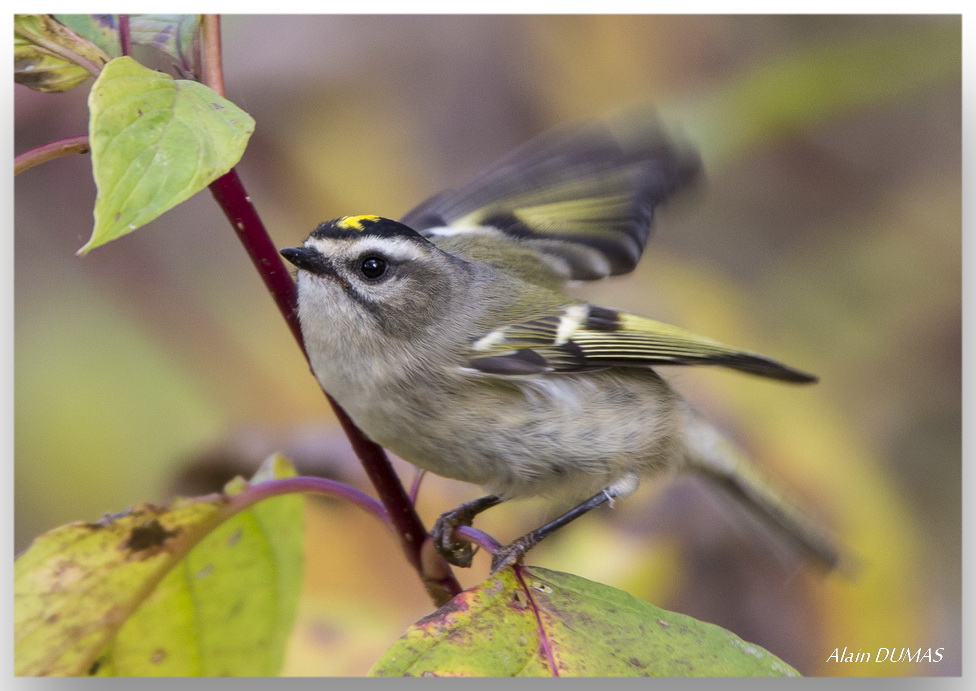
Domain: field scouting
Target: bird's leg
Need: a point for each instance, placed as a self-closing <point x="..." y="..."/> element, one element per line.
<point x="513" y="553"/>
<point x="458" y="552"/>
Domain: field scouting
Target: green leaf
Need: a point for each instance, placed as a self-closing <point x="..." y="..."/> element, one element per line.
<point x="172" y="34"/>
<point x="50" y="57"/>
<point x="155" y="142"/>
<point x="547" y="623"/>
<point x="100" y="29"/>
<point x="196" y="588"/>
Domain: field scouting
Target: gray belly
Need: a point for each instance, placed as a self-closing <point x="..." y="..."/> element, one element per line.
<point x="564" y="435"/>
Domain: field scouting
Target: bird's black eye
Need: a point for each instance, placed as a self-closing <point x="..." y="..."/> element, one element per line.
<point x="373" y="267"/>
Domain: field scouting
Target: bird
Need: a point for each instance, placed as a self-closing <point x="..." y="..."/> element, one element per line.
<point x="448" y="337"/>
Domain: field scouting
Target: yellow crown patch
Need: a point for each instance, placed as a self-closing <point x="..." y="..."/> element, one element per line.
<point x="355" y="222"/>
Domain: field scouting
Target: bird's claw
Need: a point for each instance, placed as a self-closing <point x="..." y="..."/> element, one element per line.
<point x="456" y="552"/>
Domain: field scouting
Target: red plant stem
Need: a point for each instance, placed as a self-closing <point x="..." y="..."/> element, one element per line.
<point x="482" y="539"/>
<point x="311" y="485"/>
<point x="415" y="485"/>
<point x="237" y="206"/>
<point x="212" y="68"/>
<point x="125" y="37"/>
<point x="50" y="151"/>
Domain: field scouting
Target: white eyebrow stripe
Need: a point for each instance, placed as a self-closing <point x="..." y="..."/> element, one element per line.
<point x="395" y="248"/>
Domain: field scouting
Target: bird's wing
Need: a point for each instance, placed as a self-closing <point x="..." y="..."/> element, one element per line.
<point x="584" y="337"/>
<point x="582" y="197"/>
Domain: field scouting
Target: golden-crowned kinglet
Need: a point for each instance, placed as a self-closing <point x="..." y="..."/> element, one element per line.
<point x="447" y="338"/>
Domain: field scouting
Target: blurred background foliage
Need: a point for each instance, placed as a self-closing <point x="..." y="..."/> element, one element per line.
<point x="827" y="234"/>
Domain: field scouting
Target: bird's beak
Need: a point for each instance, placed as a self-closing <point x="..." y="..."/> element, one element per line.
<point x="314" y="262"/>
<point x="307" y="259"/>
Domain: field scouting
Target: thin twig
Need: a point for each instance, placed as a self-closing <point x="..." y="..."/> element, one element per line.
<point x="415" y="485"/>
<point x="309" y="485"/>
<point x="50" y="151"/>
<point x="213" y="70"/>
<point x="125" y="36"/>
<point x="232" y="198"/>
<point x="482" y="539"/>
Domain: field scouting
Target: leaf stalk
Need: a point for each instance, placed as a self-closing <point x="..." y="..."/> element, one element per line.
<point x="51" y="151"/>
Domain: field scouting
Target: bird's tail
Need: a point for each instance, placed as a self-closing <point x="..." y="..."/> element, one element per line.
<point x="712" y="456"/>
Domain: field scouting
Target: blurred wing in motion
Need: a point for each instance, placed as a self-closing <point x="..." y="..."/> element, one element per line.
<point x="583" y="197"/>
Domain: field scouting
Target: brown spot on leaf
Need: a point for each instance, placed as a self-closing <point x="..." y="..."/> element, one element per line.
<point x="149" y="537"/>
<point x="158" y="655"/>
